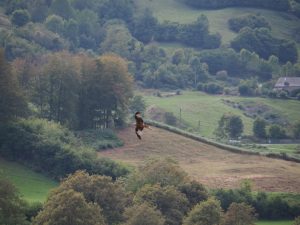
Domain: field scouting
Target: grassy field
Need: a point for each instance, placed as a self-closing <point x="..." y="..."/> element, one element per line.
<point x="33" y="186"/>
<point x="280" y="148"/>
<point x="210" y="165"/>
<point x="274" y="223"/>
<point x="197" y="106"/>
<point x="283" y="24"/>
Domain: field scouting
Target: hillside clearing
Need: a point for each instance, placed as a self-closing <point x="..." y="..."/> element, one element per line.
<point x="212" y="166"/>
<point x="33" y="186"/>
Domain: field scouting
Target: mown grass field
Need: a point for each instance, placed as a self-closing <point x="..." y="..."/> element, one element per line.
<point x="210" y="165"/>
<point x="33" y="186"/>
<point x="208" y="109"/>
<point x="283" y="24"/>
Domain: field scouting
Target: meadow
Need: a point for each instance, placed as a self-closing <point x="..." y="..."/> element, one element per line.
<point x="33" y="186"/>
<point x="196" y="106"/>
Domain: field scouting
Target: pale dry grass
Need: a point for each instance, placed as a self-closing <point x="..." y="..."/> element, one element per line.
<point x="212" y="166"/>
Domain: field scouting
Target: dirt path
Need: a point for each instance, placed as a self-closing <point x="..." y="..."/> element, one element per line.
<point x="210" y="165"/>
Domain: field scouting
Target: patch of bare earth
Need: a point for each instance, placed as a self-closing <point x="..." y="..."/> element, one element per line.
<point x="212" y="166"/>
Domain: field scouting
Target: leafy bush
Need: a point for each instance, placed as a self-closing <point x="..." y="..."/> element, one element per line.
<point x="170" y="119"/>
<point x="297" y="221"/>
<point x="20" y="17"/>
<point x="246" y="90"/>
<point x="213" y="88"/>
<point x="99" y="139"/>
<point x="52" y="149"/>
<point x="32" y="209"/>
<point x="277" y="132"/>
<point x="55" y="24"/>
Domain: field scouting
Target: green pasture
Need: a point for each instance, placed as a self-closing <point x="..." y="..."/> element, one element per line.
<point x="33" y="186"/>
<point x="205" y="110"/>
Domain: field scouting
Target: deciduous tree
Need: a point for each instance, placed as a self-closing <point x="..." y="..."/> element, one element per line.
<point x="12" y="208"/>
<point x="172" y="204"/>
<point x="69" y="208"/>
<point x="143" y="214"/>
<point x="12" y="102"/>
<point x="259" y="128"/>
<point x="240" y="214"/>
<point x="205" y="213"/>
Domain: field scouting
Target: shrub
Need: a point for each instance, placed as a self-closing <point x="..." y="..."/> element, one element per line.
<point x="55" y="24"/>
<point x="222" y="75"/>
<point x="246" y="90"/>
<point x="32" y="209"/>
<point x="277" y="132"/>
<point x="213" y="88"/>
<point x="20" y="17"/>
<point x="297" y="221"/>
<point x="170" y="119"/>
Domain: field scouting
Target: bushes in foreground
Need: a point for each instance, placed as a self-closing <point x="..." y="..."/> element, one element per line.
<point x="50" y="148"/>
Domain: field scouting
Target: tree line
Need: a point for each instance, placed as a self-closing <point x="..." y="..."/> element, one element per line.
<point x="231" y="126"/>
<point x="77" y="90"/>
<point x="157" y="193"/>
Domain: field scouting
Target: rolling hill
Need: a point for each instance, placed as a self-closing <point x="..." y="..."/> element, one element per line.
<point x="212" y="166"/>
<point x="283" y="24"/>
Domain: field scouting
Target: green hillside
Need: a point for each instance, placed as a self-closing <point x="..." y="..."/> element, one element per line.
<point x="208" y="109"/>
<point x="283" y="24"/>
<point x="33" y="186"/>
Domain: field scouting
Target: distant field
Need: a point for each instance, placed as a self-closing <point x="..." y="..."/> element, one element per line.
<point x="208" y="109"/>
<point x="291" y="149"/>
<point x="283" y="24"/>
<point x="274" y="223"/>
<point x="33" y="186"/>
